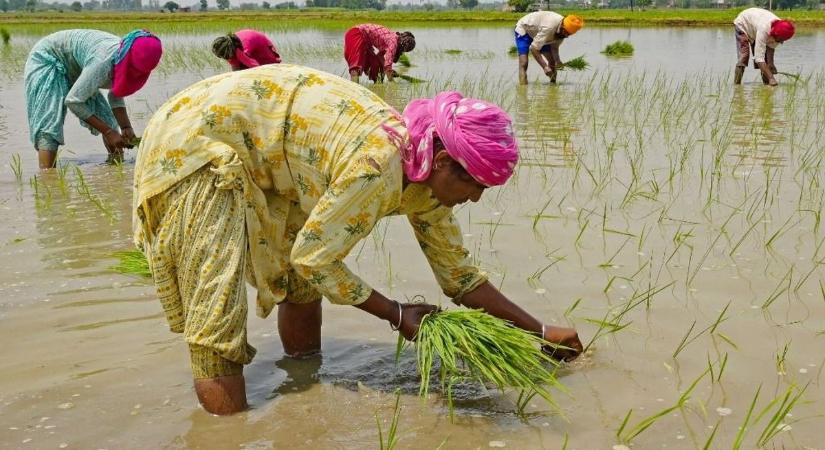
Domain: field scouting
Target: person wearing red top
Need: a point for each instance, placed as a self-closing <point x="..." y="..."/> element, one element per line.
<point x="245" y="49"/>
<point x="372" y="49"/>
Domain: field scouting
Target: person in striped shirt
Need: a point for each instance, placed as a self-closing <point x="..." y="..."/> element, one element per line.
<point x="372" y="49"/>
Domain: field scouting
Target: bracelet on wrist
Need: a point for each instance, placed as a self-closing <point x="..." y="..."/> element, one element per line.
<point x="400" y="311"/>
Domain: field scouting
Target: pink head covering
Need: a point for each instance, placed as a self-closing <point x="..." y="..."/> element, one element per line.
<point x="139" y="54"/>
<point x="476" y="133"/>
<point x="257" y="50"/>
<point x="782" y="29"/>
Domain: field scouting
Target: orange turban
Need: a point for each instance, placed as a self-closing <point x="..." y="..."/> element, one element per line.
<point x="572" y="23"/>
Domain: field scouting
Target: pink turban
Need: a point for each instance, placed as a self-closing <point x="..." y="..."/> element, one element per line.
<point x="782" y="29"/>
<point x="477" y="134"/>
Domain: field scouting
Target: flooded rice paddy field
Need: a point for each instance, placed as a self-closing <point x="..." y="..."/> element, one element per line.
<point x="673" y="218"/>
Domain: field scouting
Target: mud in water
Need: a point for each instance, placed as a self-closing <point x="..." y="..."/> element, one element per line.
<point x="673" y="216"/>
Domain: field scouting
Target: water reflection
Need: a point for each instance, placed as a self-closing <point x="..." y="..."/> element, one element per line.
<point x="78" y="213"/>
<point x="758" y="125"/>
<point x="545" y="124"/>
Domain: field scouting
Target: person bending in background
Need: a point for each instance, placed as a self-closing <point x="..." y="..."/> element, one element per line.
<point x="68" y="68"/>
<point x="372" y="49"/>
<point x="273" y="175"/>
<point x="759" y="31"/>
<point x="245" y="49"/>
<point x="541" y="33"/>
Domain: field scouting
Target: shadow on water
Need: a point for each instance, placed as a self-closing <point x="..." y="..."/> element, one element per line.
<point x="360" y="367"/>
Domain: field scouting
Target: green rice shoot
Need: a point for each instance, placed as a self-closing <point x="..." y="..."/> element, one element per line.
<point x="453" y="51"/>
<point x="619" y="48"/>
<point x="513" y="51"/>
<point x="404" y="60"/>
<point x="5" y="36"/>
<point x="473" y="346"/>
<point x="410" y="79"/>
<point x="132" y="262"/>
<point x="576" y="64"/>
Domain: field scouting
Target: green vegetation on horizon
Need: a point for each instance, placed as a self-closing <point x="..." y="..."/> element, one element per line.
<point x="118" y="21"/>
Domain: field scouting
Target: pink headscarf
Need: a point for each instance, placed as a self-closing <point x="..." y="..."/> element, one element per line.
<point x="476" y="133"/>
<point x="257" y="50"/>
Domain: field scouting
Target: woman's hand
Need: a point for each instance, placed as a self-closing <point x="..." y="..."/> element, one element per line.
<point x="114" y="141"/>
<point x="567" y="337"/>
<point x="411" y="316"/>
<point x="128" y="134"/>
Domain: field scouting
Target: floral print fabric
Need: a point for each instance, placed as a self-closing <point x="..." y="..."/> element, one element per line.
<point x="317" y="169"/>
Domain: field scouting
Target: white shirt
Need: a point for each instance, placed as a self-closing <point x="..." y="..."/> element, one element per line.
<point x="756" y="23"/>
<point x="542" y="26"/>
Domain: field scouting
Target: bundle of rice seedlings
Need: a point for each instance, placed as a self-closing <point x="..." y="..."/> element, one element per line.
<point x="136" y="141"/>
<point x="513" y="51"/>
<point x="619" y="48"/>
<point x="132" y="262"/>
<point x="577" y="64"/>
<point x="477" y="347"/>
<point x="795" y="76"/>
<point x="5" y="36"/>
<point x="410" y="79"/>
<point x="404" y="60"/>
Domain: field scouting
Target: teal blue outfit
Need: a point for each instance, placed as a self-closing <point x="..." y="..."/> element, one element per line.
<point x="64" y="70"/>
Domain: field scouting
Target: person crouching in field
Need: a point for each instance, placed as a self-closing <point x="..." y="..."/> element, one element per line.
<point x="273" y="175"/>
<point x="759" y="31"/>
<point x="372" y="49"/>
<point x="245" y="49"/>
<point x="67" y="69"/>
<point x="541" y="33"/>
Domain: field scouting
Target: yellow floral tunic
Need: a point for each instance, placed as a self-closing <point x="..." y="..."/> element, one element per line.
<point x="317" y="170"/>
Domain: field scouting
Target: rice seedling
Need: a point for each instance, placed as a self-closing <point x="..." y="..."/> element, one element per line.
<point x="512" y="51"/>
<point x="474" y="346"/>
<point x="83" y="189"/>
<point x="743" y="429"/>
<point x="411" y="79"/>
<point x="453" y="51"/>
<point x="392" y="433"/>
<point x="780" y="359"/>
<point x="16" y="167"/>
<point x="619" y="48"/>
<point x="781" y="287"/>
<point x="775" y="424"/>
<point x="576" y="64"/>
<point x="795" y="76"/>
<point x="132" y="262"/>
<point x="404" y="60"/>
<point x="711" y="328"/>
<point x="647" y="422"/>
<point x="5" y="36"/>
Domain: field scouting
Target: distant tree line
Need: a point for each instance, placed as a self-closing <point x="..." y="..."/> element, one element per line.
<point x="348" y="4"/>
<point x="529" y="5"/>
<point x="516" y="5"/>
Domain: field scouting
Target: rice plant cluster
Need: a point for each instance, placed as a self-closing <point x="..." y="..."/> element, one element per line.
<point x="132" y="262"/>
<point x="619" y="48"/>
<point x="472" y="346"/>
<point x="576" y="64"/>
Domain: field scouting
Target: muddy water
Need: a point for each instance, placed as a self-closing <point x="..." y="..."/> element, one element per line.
<point x="651" y="194"/>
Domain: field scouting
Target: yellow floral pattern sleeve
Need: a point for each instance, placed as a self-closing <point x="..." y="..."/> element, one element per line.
<point x="346" y="213"/>
<point x="439" y="236"/>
